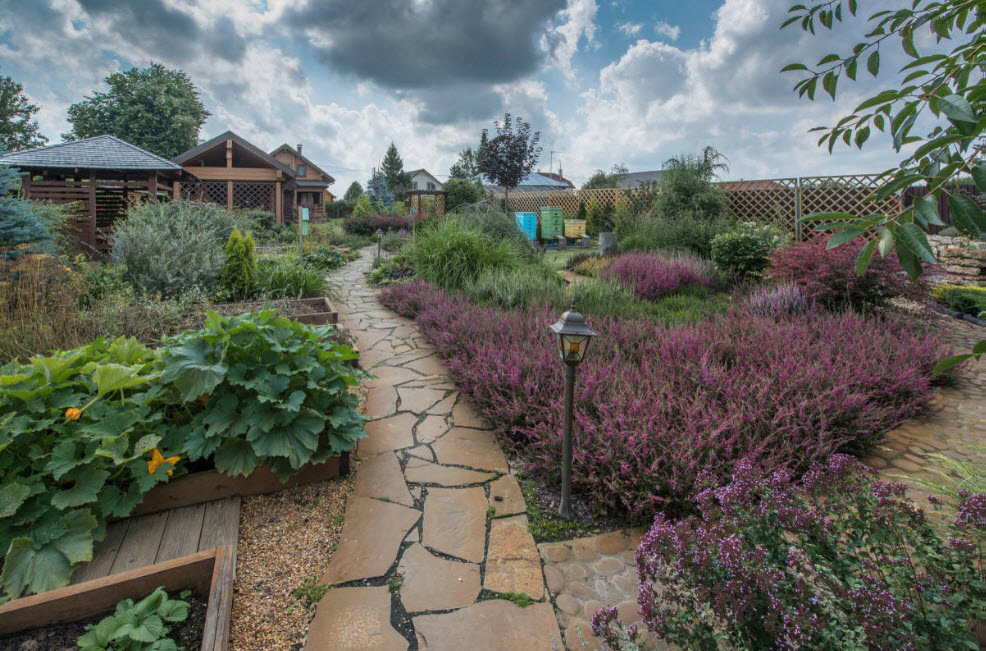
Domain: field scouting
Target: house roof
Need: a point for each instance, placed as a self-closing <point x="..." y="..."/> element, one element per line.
<point x="557" y="177"/>
<point x="291" y="150"/>
<point x="533" y="182"/>
<point x="633" y="179"/>
<point x="422" y="170"/>
<point x="242" y="142"/>
<point x="310" y="183"/>
<point x="99" y="152"/>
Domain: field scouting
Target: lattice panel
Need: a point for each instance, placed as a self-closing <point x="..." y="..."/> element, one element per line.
<point x="569" y="201"/>
<point x="423" y="203"/>
<point x="208" y="191"/>
<point x="846" y="194"/>
<point x="254" y="195"/>
<point x="767" y="201"/>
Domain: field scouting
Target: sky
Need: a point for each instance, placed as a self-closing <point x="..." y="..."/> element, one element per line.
<point x="605" y="81"/>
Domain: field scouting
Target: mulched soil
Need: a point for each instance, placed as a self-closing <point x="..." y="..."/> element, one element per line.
<point x="187" y="634"/>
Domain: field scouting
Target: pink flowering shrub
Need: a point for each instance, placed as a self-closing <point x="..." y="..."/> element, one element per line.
<point x="651" y="276"/>
<point x="778" y="300"/>
<point x="654" y="406"/>
<point x="828" y="276"/>
<point x="835" y="561"/>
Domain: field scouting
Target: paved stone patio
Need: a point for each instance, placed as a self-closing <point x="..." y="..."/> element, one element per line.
<point x="435" y="528"/>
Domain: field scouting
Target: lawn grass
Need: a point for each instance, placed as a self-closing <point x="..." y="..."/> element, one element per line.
<point x="557" y="258"/>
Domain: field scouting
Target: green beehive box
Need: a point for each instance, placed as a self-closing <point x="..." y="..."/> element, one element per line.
<point x="552" y="224"/>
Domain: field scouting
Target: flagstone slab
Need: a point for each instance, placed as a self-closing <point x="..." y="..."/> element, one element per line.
<point x="420" y="471"/>
<point x="494" y="625"/>
<point x="465" y="415"/>
<point x="513" y="563"/>
<point x="387" y="434"/>
<point x="387" y="376"/>
<point x="431" y="429"/>
<point x="444" y="408"/>
<point x="419" y="401"/>
<point x="506" y="496"/>
<point x="354" y="619"/>
<point x="430" y="365"/>
<point x="433" y="583"/>
<point x="381" y="477"/>
<point x="455" y="522"/>
<point x="421" y="452"/>
<point x="367" y="339"/>
<point x="381" y="402"/>
<point x="370" y="540"/>
<point x="472" y="448"/>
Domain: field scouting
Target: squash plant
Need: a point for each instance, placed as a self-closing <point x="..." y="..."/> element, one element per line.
<point x="273" y="391"/>
<point x="74" y="432"/>
<point x="137" y="627"/>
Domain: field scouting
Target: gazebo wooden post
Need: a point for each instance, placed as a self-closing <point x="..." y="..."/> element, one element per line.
<point x="278" y="203"/>
<point x="229" y="165"/>
<point x="175" y="190"/>
<point x="26" y="185"/>
<point x="152" y="186"/>
<point x="92" y="209"/>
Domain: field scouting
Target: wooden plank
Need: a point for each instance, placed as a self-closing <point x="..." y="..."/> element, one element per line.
<point x="221" y="525"/>
<point x="140" y="545"/>
<point x="278" y="198"/>
<point x="104" y="554"/>
<point x="92" y="598"/>
<point x="229" y="195"/>
<point x="182" y="533"/>
<point x="211" y="485"/>
<point x="235" y="173"/>
<point x="215" y="633"/>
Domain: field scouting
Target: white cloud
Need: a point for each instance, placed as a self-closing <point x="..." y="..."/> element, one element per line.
<point x="670" y="31"/>
<point x="629" y="29"/>
<point x="574" y="24"/>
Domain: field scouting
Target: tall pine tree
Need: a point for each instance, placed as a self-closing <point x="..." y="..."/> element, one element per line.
<point x="392" y="166"/>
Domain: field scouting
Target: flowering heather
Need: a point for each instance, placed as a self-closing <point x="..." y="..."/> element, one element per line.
<point x="654" y="406"/>
<point x="835" y="561"/>
<point x="651" y="276"/>
<point x="778" y="300"/>
<point x="828" y="276"/>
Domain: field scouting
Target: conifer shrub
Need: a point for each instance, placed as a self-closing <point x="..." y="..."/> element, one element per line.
<point x="238" y="274"/>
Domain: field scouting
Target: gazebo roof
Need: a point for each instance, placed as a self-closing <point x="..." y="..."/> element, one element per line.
<point x="99" y="152"/>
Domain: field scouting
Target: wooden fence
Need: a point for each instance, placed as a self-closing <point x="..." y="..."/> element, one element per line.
<point x="781" y="202"/>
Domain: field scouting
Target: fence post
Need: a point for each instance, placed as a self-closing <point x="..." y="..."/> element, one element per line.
<point x="797" y="208"/>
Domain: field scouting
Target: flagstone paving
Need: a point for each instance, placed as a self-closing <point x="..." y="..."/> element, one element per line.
<point x="426" y="551"/>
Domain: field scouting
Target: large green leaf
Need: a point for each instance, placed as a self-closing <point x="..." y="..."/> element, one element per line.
<point x="30" y="568"/>
<point x="116" y="377"/>
<point x="967" y="216"/>
<point x="191" y="372"/>
<point x="88" y="483"/>
<point x="12" y="495"/>
<point x="295" y="441"/>
<point x="236" y="457"/>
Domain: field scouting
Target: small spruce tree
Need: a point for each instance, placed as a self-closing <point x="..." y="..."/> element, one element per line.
<point x="581" y="213"/>
<point x="363" y="207"/>
<point x="238" y="274"/>
<point x="593" y="216"/>
<point x="20" y="225"/>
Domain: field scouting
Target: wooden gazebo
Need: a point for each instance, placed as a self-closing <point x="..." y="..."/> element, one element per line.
<point x="100" y="177"/>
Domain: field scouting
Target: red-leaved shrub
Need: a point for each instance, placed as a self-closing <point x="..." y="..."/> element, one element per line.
<point x="655" y="407"/>
<point x="367" y="225"/>
<point x="828" y="276"/>
<point x="651" y="276"/>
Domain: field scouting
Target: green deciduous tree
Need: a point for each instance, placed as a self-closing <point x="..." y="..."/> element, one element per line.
<point x="943" y="91"/>
<point x="601" y="179"/>
<point x="17" y="128"/>
<point x="511" y="155"/>
<point x="687" y="185"/>
<point x="392" y="166"/>
<point x="460" y="191"/>
<point x="466" y="167"/>
<point x="155" y="108"/>
<point x="353" y="193"/>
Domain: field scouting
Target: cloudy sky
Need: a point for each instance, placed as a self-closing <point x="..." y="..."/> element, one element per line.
<point x="605" y="81"/>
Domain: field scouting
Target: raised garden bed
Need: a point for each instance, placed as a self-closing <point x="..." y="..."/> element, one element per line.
<point x="207" y="573"/>
<point x="211" y="485"/>
<point x="310" y="311"/>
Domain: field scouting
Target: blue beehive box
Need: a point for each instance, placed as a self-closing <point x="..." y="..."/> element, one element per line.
<point x="528" y="222"/>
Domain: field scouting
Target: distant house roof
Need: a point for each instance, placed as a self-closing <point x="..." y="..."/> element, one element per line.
<point x="291" y="150"/>
<point x="557" y="177"/>
<point x="242" y="142"/>
<point x="533" y="182"/>
<point x="423" y="172"/>
<point x="99" y="152"/>
<point x="633" y="179"/>
<point x="739" y="186"/>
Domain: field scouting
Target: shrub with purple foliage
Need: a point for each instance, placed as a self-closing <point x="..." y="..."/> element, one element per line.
<point x="835" y="561"/>
<point x="828" y="276"/>
<point x="778" y="300"/>
<point x="651" y="276"/>
<point x="655" y="406"/>
<point x="367" y="225"/>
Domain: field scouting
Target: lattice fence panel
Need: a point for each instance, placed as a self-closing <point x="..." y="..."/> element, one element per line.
<point x="846" y="194"/>
<point x="254" y="195"/>
<point x="767" y="201"/>
<point x="207" y="191"/>
<point x="569" y="201"/>
<point x="425" y="203"/>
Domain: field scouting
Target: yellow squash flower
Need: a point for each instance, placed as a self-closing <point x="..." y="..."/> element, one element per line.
<point x="204" y="398"/>
<point x="157" y="459"/>
<point x="72" y="414"/>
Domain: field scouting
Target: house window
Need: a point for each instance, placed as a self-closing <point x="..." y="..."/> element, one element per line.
<point x="301" y="169"/>
<point x="431" y="186"/>
<point x="414" y="186"/>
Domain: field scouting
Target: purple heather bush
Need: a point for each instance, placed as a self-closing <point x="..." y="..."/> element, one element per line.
<point x="651" y="276"/>
<point x="778" y="300"/>
<point x="836" y="560"/>
<point x="654" y="406"/>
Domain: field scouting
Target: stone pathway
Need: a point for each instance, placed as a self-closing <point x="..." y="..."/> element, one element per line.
<point x="435" y="530"/>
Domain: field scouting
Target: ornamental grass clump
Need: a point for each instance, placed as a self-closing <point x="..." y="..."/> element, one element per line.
<point x="651" y="276"/>
<point x="655" y="406"/>
<point x="837" y="560"/>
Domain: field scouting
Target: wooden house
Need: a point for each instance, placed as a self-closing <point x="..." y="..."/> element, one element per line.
<point x="311" y="183"/>
<point x="233" y="172"/>
<point x="100" y="177"/>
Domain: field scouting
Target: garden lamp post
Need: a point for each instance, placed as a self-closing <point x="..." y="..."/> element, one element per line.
<point x="573" y="339"/>
<point x="379" y="239"/>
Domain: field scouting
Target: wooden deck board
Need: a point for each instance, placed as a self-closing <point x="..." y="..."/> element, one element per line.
<point x="103" y="554"/>
<point x="140" y="545"/>
<point x="222" y="523"/>
<point x="182" y="532"/>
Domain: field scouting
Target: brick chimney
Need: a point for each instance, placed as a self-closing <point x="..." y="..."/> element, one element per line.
<point x="299" y="147"/>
